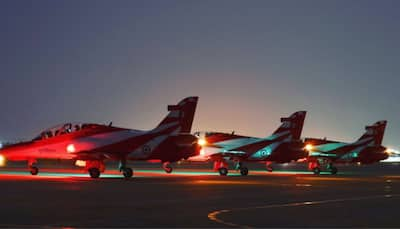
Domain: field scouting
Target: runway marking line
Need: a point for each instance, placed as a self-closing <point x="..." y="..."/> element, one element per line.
<point x="331" y="178"/>
<point x="213" y="216"/>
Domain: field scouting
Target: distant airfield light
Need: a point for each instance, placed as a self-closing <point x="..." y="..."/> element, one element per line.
<point x="202" y="142"/>
<point x="71" y="148"/>
<point x="391" y="151"/>
<point x="2" y="160"/>
<point x="309" y="147"/>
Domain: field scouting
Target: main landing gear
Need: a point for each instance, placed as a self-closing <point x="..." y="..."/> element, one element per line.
<point x="167" y="167"/>
<point x="222" y="168"/>
<point x="332" y="169"/>
<point x="244" y="171"/>
<point x="126" y="171"/>
<point x="223" y="171"/>
<point x="315" y="167"/>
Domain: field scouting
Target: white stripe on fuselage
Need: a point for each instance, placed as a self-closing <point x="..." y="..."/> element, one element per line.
<point x="239" y="142"/>
<point x="368" y="140"/>
<point x="265" y="152"/>
<point x="100" y="140"/>
<point x="164" y="127"/>
<point x="330" y="148"/>
<point x="145" y="150"/>
<point x="356" y="152"/>
<point x="96" y="141"/>
<point x="235" y="143"/>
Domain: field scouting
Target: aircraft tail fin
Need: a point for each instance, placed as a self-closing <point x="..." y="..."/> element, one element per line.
<point x="375" y="132"/>
<point x="181" y="115"/>
<point x="294" y="124"/>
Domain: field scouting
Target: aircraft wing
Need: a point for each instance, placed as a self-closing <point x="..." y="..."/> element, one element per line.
<point x="95" y="155"/>
<point x="229" y="154"/>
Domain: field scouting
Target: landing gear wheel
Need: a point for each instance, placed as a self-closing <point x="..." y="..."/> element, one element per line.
<point x="316" y="170"/>
<point x="223" y="171"/>
<point x="94" y="172"/>
<point x="244" y="171"/>
<point x="127" y="172"/>
<point x="168" y="168"/>
<point x="333" y="170"/>
<point x="34" y="170"/>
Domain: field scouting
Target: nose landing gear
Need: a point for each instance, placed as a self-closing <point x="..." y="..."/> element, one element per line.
<point x="315" y="167"/>
<point x="95" y="168"/>
<point x="221" y="167"/>
<point x="94" y="172"/>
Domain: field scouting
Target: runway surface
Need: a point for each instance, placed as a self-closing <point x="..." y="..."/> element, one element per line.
<point x="289" y="197"/>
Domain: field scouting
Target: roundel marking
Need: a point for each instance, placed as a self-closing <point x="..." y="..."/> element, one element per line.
<point x="263" y="152"/>
<point x="146" y="149"/>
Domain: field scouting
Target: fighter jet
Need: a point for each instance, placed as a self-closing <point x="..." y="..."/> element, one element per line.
<point x="91" y="144"/>
<point x="366" y="150"/>
<point x="283" y="146"/>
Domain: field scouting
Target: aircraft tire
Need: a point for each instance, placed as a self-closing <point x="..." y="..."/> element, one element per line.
<point x="94" y="173"/>
<point x="244" y="171"/>
<point x="168" y="169"/>
<point x="223" y="171"/>
<point x="127" y="172"/>
<point x="334" y="170"/>
<point x="316" y="170"/>
<point x="34" y="170"/>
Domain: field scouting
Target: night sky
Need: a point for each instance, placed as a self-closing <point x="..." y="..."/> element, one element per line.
<point x="250" y="62"/>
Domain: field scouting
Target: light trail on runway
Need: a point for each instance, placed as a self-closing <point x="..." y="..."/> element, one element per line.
<point x="213" y="216"/>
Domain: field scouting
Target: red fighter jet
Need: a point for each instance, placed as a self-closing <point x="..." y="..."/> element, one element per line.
<point x="367" y="149"/>
<point x="91" y="144"/>
<point x="284" y="145"/>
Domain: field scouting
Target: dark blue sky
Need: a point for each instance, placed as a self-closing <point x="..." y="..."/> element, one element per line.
<point x="249" y="61"/>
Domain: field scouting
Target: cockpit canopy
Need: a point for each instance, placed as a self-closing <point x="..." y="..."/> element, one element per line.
<point x="64" y="129"/>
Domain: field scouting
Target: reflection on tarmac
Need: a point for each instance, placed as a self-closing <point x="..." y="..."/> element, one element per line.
<point x="200" y="198"/>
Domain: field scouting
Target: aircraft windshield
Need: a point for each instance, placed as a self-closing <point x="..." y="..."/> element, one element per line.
<point x="63" y="129"/>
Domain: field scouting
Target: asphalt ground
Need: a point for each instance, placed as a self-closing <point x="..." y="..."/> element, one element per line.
<point x="195" y="196"/>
